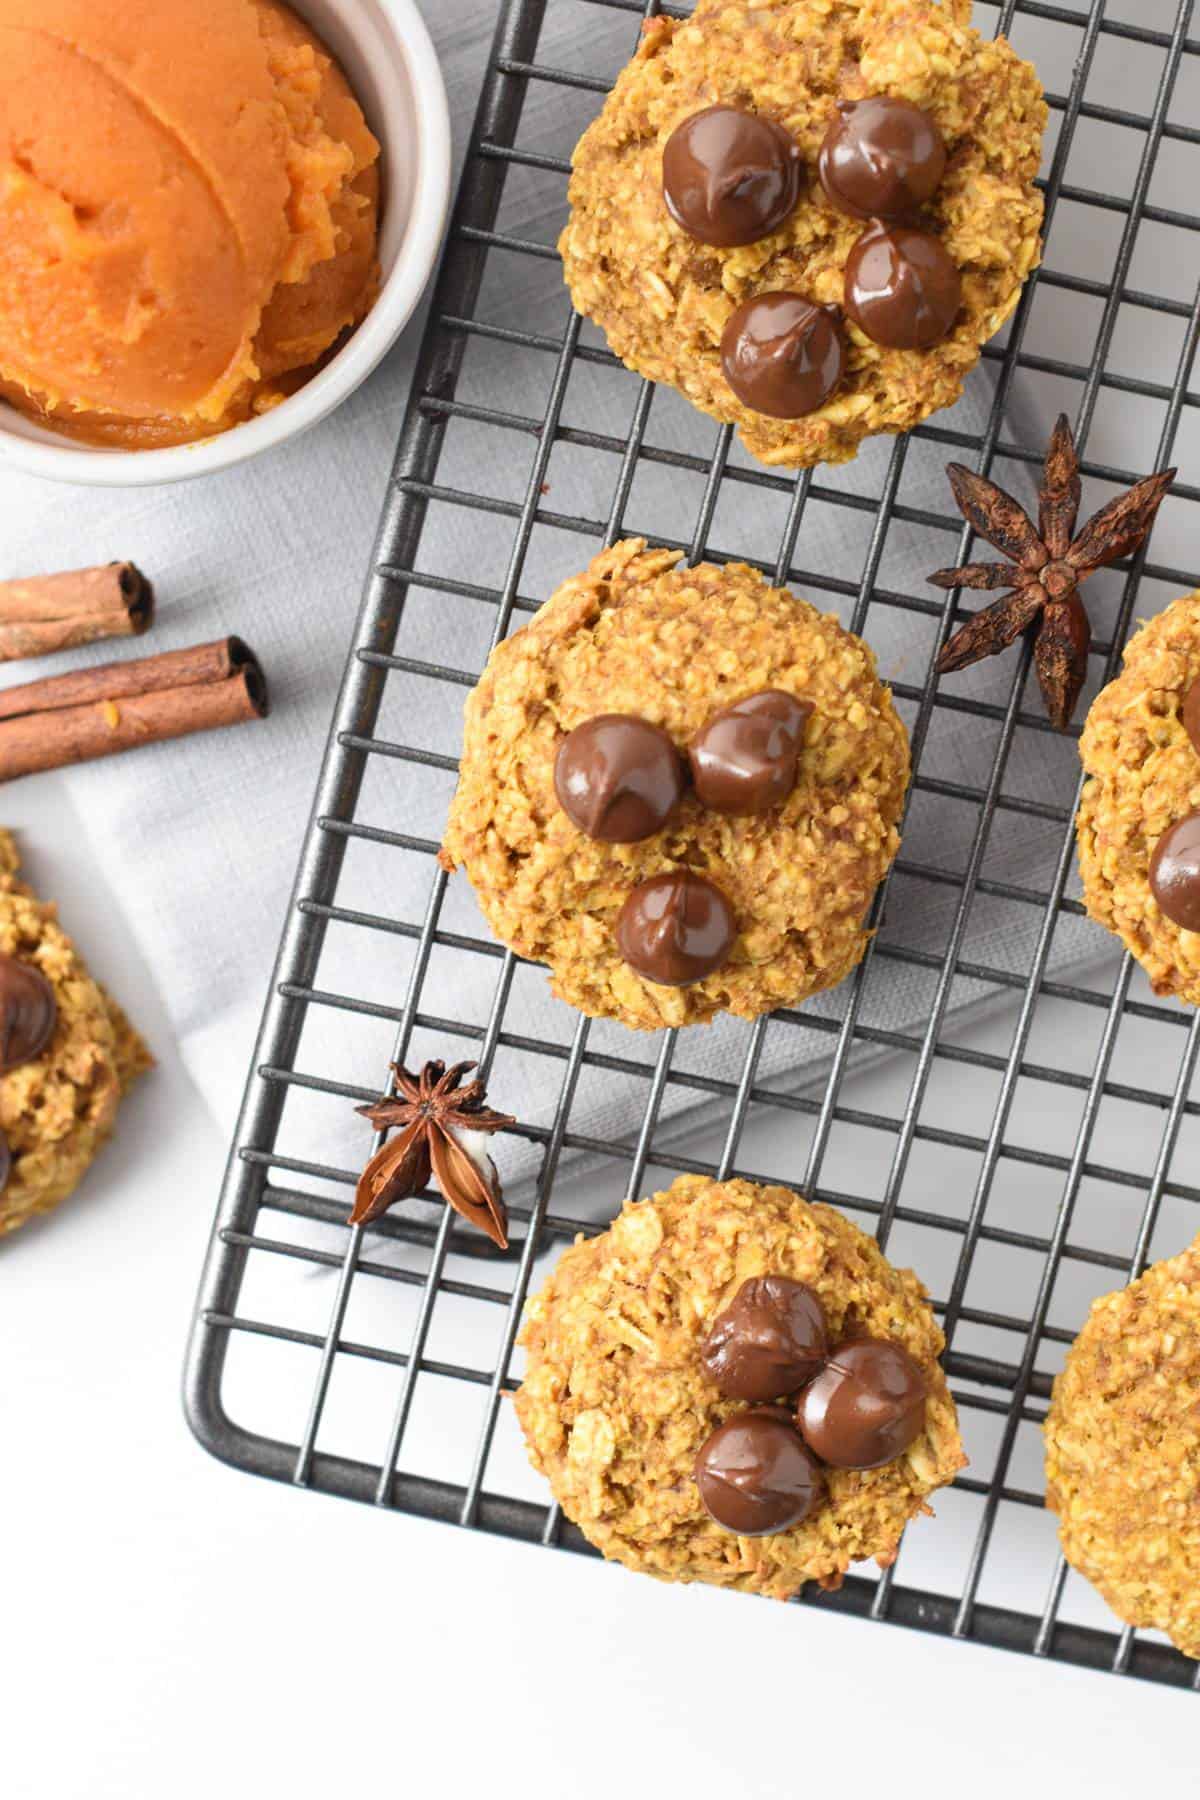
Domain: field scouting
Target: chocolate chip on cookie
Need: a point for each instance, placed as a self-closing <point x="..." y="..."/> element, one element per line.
<point x="618" y="778"/>
<point x="903" y="287"/>
<point x="755" y="1475"/>
<point x="745" y="759"/>
<point x="781" y="355"/>
<point x="729" y="176"/>
<point x="865" y="1407"/>
<point x="28" y="1013"/>
<point x="676" y="928"/>
<point x="768" y="1342"/>
<point x="881" y="158"/>
<point x="1175" y="872"/>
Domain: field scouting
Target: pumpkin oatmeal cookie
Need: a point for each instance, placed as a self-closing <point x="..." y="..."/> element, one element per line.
<point x="1140" y="751"/>
<point x="647" y="1342"/>
<point x="68" y="1054"/>
<point x="663" y="273"/>
<point x="661" y="893"/>
<point x="1123" y="1450"/>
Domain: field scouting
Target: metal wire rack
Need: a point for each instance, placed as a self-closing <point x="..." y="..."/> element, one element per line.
<point x="426" y="1314"/>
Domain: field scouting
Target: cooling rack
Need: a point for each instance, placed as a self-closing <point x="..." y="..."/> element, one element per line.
<point x="1021" y="1135"/>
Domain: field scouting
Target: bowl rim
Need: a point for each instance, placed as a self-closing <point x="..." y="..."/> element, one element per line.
<point x="398" y="298"/>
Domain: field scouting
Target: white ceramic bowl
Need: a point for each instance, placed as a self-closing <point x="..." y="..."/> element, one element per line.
<point x="387" y="54"/>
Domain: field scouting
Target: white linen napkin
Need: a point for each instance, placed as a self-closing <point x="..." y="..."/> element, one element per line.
<point x="199" y="839"/>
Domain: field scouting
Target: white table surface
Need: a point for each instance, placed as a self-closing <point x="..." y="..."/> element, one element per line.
<point x="170" y="1626"/>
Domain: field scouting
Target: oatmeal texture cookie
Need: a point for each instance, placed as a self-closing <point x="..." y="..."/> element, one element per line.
<point x="1144" y="775"/>
<point x="664" y="299"/>
<point x="638" y="634"/>
<point x="1123" y="1451"/>
<point x="615" y="1403"/>
<point x="57" y="1111"/>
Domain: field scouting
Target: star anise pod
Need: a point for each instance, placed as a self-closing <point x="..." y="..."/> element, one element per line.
<point x="441" y="1127"/>
<point x="1049" y="562"/>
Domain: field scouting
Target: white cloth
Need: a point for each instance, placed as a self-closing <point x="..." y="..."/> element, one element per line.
<point x="199" y="839"/>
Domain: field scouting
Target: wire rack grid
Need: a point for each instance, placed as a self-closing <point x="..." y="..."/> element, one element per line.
<point x="1077" y="1214"/>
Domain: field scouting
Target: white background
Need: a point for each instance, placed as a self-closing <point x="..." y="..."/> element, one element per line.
<point x="169" y="1626"/>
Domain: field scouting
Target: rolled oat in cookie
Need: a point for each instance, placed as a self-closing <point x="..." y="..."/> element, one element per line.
<point x="665" y="297"/>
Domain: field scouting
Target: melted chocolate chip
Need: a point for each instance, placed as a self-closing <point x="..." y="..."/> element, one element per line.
<point x="755" y="1475"/>
<point x="5" y="1163"/>
<point x="745" y="759"/>
<point x="865" y="1407"/>
<point x="28" y="1013"/>
<point x="1191" y="715"/>
<point x="781" y="355"/>
<point x="1175" y="872"/>
<point x="730" y="177"/>
<point x="618" y="778"/>
<point x="902" y="287"/>
<point x="676" y="928"/>
<point x="881" y="158"/>
<point x="768" y="1342"/>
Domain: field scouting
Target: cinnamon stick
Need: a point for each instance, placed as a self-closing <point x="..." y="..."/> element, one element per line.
<point x="98" y="712"/>
<point x="59" y="612"/>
